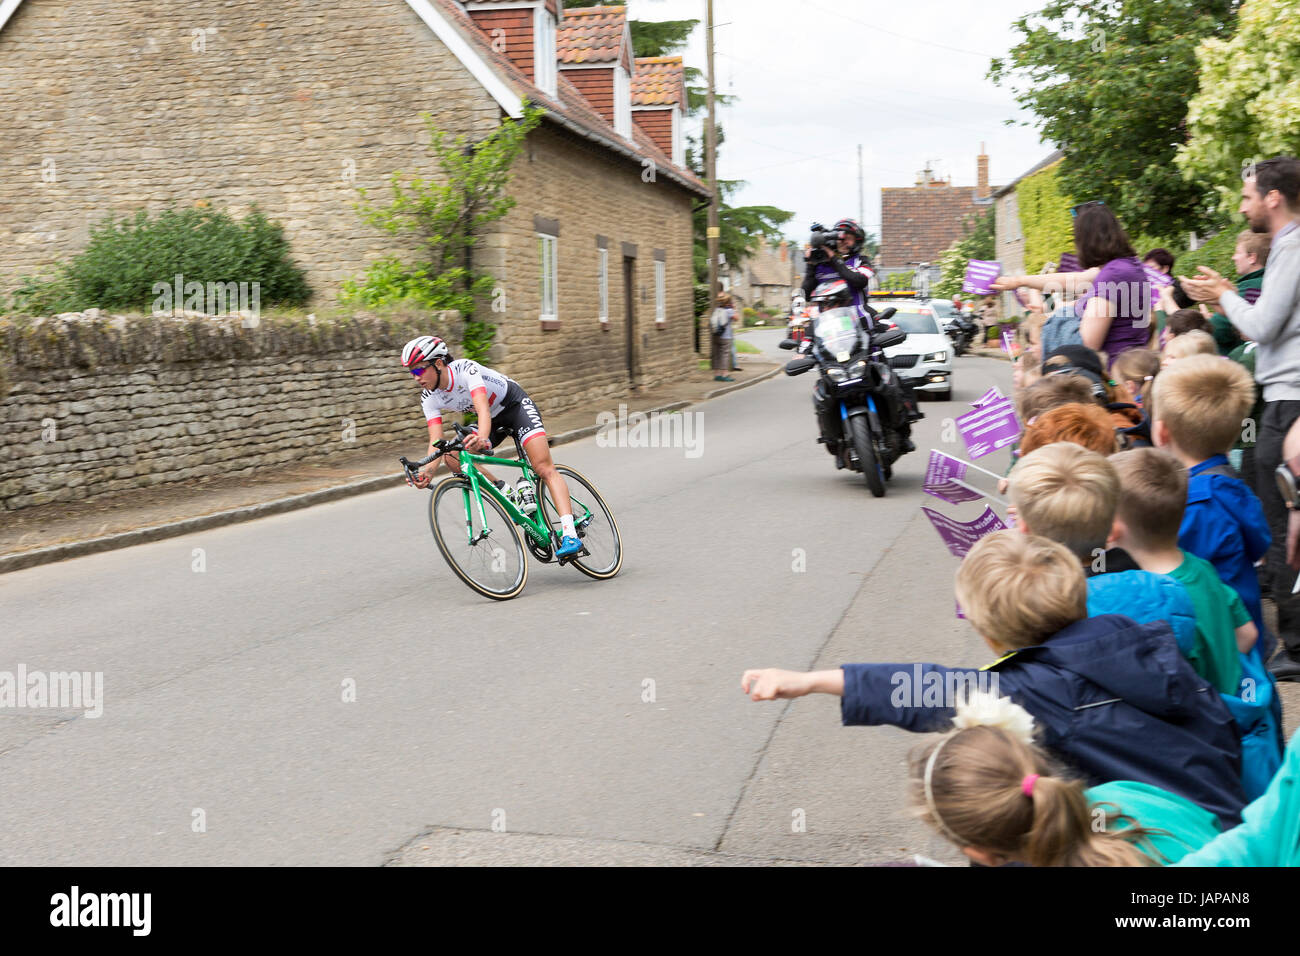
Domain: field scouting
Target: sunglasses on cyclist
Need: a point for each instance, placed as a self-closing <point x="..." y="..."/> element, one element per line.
<point x="417" y="372"/>
<point x="1074" y="210"/>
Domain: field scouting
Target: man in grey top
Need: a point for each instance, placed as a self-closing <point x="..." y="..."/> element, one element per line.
<point x="1270" y="201"/>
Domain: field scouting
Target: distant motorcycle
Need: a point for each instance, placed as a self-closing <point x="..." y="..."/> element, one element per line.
<point x="961" y="332"/>
<point x="857" y="395"/>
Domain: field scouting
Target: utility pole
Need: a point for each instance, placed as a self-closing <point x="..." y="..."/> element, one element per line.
<point x="711" y="172"/>
<point x="861" y="217"/>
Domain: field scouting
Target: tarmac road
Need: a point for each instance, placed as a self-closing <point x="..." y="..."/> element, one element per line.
<point x="516" y="732"/>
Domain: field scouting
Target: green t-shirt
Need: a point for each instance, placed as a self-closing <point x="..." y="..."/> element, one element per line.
<point x="1219" y="612"/>
<point x="1186" y="826"/>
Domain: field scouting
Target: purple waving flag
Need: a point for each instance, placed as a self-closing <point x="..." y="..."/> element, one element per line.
<point x="980" y="275"/>
<point x="960" y="536"/>
<point x="987" y="429"/>
<point x="942" y="475"/>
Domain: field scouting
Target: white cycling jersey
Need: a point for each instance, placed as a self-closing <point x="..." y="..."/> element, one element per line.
<point x="466" y="379"/>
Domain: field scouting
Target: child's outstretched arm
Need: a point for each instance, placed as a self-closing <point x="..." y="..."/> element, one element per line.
<point x="1247" y="634"/>
<point x="770" y="683"/>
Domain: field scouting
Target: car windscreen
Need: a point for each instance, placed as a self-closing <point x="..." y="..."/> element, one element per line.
<point x="915" y="323"/>
<point x="942" y="309"/>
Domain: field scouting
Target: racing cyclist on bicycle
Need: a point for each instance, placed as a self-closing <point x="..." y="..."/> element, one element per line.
<point x="502" y="408"/>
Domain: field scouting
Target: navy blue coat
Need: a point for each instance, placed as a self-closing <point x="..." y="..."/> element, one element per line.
<point x="1111" y="698"/>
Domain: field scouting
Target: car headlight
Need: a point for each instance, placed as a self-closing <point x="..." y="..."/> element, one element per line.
<point x="935" y="357"/>
<point x="836" y="374"/>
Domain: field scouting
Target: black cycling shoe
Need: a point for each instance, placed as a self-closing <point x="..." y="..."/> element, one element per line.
<point x="908" y="445"/>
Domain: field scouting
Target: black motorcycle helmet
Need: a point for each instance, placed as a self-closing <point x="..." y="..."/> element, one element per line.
<point x="832" y="294"/>
<point x="853" y="234"/>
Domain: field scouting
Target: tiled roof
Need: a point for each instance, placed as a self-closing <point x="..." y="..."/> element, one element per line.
<point x="569" y="108"/>
<point x="659" y="81"/>
<point x="918" y="223"/>
<point x="592" y="35"/>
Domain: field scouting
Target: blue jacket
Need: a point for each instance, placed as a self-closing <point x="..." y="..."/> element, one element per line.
<point x="1113" y="698"/>
<point x="1145" y="597"/>
<point x="1224" y="524"/>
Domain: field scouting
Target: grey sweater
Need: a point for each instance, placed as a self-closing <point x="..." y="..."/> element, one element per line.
<point x="1274" y="321"/>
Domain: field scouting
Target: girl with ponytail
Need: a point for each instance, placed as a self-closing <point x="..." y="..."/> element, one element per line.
<point x="987" y="788"/>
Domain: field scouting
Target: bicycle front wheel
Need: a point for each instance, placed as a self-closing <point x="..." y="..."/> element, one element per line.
<point x="488" y="556"/>
<point x="594" y="522"/>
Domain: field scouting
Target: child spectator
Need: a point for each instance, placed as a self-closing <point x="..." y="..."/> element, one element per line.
<point x="1186" y="345"/>
<point x="1152" y="498"/>
<point x="990" y="790"/>
<point x="1153" y="494"/>
<point x="1135" y="371"/>
<point x="1087" y="425"/>
<point x="1189" y="320"/>
<point x="1200" y="403"/>
<point x="1115" y="699"/>
<point x="1070" y="494"/>
<point x="1050" y="392"/>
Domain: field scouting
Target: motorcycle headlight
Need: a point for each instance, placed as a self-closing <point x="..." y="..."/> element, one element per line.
<point x="836" y="374"/>
<point x="935" y="357"/>
<point x="858" y="369"/>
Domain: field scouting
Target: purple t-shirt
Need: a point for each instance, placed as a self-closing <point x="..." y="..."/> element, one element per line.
<point x="1123" y="283"/>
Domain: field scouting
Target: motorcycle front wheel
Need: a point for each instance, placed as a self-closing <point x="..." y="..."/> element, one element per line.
<point x="860" y="435"/>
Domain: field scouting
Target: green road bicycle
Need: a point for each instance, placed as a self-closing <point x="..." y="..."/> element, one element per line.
<point x="482" y="533"/>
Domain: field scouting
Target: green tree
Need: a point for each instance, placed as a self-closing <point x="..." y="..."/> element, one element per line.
<point x="1045" y="219"/>
<point x="1109" y="83"/>
<point x="978" y="243"/>
<point x="1247" y="105"/>
<point x="900" y="280"/>
<point x="445" y="216"/>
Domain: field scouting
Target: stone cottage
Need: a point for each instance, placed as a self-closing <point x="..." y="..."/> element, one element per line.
<point x="292" y="105"/>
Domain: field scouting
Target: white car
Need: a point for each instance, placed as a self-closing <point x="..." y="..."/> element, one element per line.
<point x="924" y="359"/>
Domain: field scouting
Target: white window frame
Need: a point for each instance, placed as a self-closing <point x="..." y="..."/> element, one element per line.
<point x="547" y="275"/>
<point x="622" y="102"/>
<point x="602" y="283"/>
<point x="545" y="74"/>
<point x="661" y="298"/>
<point x="679" y="143"/>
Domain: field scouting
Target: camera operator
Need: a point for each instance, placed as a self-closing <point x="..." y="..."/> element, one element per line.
<point x="824" y="262"/>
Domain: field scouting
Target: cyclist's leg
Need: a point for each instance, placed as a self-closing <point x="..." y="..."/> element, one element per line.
<point x="539" y="456"/>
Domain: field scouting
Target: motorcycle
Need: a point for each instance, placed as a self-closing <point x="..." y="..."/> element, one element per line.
<point x="961" y="333"/>
<point x="857" y="392"/>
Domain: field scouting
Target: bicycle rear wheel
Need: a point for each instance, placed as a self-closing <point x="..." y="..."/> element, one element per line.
<point x="489" y="559"/>
<point x="594" y="522"/>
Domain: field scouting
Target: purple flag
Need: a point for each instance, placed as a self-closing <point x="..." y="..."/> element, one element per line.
<point x="989" y="428"/>
<point x="988" y="398"/>
<point x="1158" y="279"/>
<point x="980" y="275"/>
<point x="960" y="536"/>
<point x="1009" y="343"/>
<point x="939" y="475"/>
<point x="1069" y="263"/>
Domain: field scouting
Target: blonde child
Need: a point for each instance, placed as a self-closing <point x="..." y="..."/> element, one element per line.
<point x="1186" y="345"/>
<point x="1135" y="371"/>
<point x="987" y="788"/>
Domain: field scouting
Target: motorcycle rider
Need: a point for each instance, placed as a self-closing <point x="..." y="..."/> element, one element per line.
<point x="825" y="264"/>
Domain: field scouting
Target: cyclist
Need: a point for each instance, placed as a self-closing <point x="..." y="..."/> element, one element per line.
<point x="502" y="408"/>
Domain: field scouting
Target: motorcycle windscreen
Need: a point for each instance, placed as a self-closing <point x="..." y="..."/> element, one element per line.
<point x="837" y="332"/>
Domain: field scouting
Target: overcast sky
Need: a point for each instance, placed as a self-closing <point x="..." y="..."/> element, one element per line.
<point x="817" y="77"/>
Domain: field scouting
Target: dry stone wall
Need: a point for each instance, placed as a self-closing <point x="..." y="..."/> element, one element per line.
<point x="94" y="408"/>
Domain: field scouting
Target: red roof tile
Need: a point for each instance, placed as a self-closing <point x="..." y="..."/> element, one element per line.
<point x="569" y="108"/>
<point x="592" y="35"/>
<point x="917" y="223"/>
<point x="659" y="81"/>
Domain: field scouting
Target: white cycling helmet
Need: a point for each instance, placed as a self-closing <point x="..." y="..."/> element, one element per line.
<point x="425" y="349"/>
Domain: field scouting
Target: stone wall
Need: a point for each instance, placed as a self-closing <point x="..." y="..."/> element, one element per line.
<point x="90" y="408"/>
<point x="109" y="107"/>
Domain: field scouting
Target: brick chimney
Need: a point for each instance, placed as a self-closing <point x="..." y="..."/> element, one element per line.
<point x="982" y="175"/>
